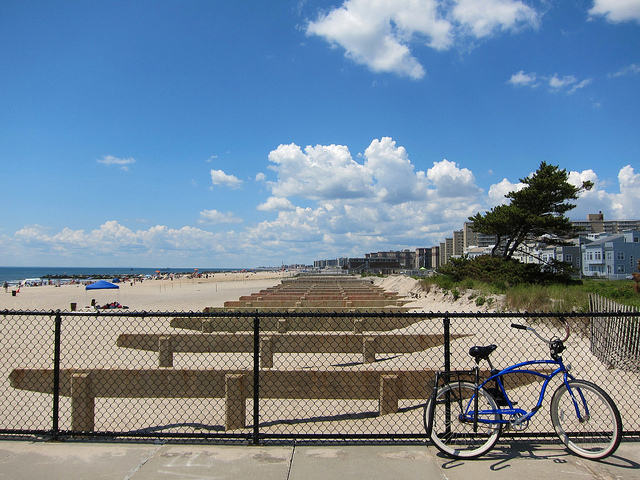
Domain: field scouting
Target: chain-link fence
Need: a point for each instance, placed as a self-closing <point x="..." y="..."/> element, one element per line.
<point x="264" y="375"/>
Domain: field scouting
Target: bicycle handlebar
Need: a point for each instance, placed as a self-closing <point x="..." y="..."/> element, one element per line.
<point x="548" y="342"/>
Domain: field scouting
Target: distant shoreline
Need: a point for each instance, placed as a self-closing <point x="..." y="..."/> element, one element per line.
<point x="18" y="275"/>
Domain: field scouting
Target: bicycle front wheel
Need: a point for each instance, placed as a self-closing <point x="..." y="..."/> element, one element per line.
<point x="587" y="422"/>
<point x="451" y="416"/>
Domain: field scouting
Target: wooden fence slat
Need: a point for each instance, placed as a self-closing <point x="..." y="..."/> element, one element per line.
<point x="615" y="340"/>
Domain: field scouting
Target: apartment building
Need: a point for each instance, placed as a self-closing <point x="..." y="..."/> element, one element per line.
<point x="596" y="223"/>
<point x="612" y="256"/>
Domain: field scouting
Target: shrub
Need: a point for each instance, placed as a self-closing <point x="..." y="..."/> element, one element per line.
<point x="498" y="269"/>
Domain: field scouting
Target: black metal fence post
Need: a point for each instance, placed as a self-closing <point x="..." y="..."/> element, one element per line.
<point x="256" y="380"/>
<point x="446" y="322"/>
<point x="56" y="376"/>
<point x="447" y="342"/>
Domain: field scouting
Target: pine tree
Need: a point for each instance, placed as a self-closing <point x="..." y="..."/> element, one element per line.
<point x="537" y="210"/>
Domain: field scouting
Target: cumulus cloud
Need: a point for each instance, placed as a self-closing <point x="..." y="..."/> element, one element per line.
<point x="320" y="172"/>
<point x="123" y="163"/>
<point x="276" y="204"/>
<point x="218" y="177"/>
<point x="616" y="11"/>
<point x="627" y="202"/>
<point x="485" y="17"/>
<point x="381" y="202"/>
<point x="116" y="240"/>
<point x="394" y="175"/>
<point x="383" y="35"/>
<point x="213" y="217"/>
<point x="497" y="192"/>
<point x="451" y="181"/>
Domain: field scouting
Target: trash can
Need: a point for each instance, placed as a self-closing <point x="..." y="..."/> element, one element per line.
<point x="13" y="293"/>
<point x="73" y="306"/>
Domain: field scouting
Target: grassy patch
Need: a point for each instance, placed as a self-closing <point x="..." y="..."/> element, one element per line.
<point x="548" y="297"/>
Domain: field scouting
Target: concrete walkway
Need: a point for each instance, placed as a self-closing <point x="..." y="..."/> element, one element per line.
<point x="133" y="461"/>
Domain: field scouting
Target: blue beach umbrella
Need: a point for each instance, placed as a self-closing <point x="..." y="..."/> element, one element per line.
<point x="101" y="285"/>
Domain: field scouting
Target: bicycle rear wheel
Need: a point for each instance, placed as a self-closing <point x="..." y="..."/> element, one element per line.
<point x="452" y="432"/>
<point x="597" y="433"/>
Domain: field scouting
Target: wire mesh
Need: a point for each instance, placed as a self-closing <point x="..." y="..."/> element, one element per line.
<point x="319" y="375"/>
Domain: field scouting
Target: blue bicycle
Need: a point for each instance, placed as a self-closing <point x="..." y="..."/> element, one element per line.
<point x="464" y="418"/>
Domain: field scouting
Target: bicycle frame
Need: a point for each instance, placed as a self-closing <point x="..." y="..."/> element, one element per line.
<point x="510" y="410"/>
<point x="515" y="416"/>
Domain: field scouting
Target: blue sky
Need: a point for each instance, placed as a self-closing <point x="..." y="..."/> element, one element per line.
<point x="243" y="134"/>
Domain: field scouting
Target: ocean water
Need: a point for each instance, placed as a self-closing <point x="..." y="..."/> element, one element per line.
<point x="13" y="275"/>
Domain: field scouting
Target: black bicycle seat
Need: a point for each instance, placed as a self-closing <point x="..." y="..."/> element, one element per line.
<point x="482" y="353"/>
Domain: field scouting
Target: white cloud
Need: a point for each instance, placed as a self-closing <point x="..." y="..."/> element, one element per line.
<point x="450" y="181"/>
<point x="498" y="191"/>
<point x="320" y="172"/>
<point x="393" y="173"/>
<point x="633" y="69"/>
<point x="214" y="217"/>
<point x="568" y="84"/>
<point x="380" y="203"/>
<point x="276" y="204"/>
<point x="617" y="10"/>
<point x="559" y="83"/>
<point x="260" y="177"/>
<point x="115" y="240"/>
<point x="580" y="85"/>
<point x="523" y="79"/>
<point x="218" y="177"/>
<point x="627" y="202"/>
<point x="485" y="17"/>
<point x="383" y="203"/>
<point x="121" y="162"/>
<point x="383" y="35"/>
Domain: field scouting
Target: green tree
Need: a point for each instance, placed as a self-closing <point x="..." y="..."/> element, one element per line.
<point x="537" y="210"/>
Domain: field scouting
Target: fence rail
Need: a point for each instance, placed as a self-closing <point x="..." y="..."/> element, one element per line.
<point x="261" y="375"/>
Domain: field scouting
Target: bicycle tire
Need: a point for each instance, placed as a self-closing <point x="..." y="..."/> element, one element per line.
<point x="456" y="438"/>
<point x="594" y="437"/>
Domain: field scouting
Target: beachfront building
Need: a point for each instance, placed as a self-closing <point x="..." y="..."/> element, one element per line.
<point x="385" y="266"/>
<point x="612" y="256"/>
<point x="596" y="223"/>
<point x="435" y="257"/>
<point x="423" y="258"/>
<point x="331" y="264"/>
<point x="475" y="239"/>
<point x="405" y="258"/>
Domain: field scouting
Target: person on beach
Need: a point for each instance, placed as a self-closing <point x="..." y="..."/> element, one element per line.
<point x="6" y="286"/>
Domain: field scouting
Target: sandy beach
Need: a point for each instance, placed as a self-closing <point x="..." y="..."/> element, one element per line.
<point x="180" y="294"/>
<point x="194" y="294"/>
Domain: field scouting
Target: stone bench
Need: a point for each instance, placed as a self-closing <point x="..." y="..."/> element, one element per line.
<point x="334" y="323"/>
<point x="83" y="386"/>
<point x="271" y="343"/>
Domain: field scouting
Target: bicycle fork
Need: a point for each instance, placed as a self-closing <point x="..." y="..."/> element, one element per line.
<point x="582" y="418"/>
